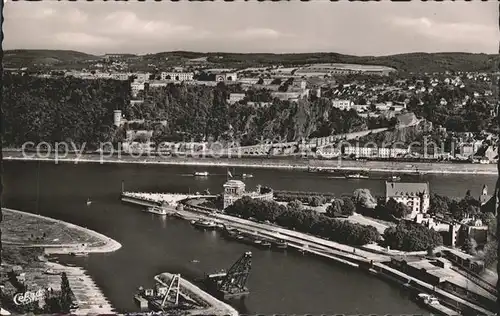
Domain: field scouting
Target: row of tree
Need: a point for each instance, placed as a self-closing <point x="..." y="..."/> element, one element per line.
<point x="295" y="217"/>
<point x="457" y="209"/>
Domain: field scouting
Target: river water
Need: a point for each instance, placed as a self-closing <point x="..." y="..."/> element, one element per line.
<point x="286" y="283"/>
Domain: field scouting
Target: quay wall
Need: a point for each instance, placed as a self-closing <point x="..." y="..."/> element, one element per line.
<point x="278" y="163"/>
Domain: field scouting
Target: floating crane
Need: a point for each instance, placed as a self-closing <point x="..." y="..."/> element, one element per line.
<point x="232" y="284"/>
<point x="161" y="298"/>
<point x="173" y="290"/>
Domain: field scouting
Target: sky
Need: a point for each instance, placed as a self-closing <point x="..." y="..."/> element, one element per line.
<point x="377" y="28"/>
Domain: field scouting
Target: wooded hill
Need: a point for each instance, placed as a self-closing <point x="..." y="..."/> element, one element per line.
<point x="411" y="62"/>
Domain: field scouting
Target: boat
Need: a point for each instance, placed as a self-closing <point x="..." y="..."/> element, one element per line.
<point x="204" y="224"/>
<point x="156" y="210"/>
<point x="81" y="254"/>
<point x="356" y="176"/>
<point x="89" y="202"/>
<point x="395" y="178"/>
<point x="247" y="175"/>
<point x="201" y="174"/>
<point x="432" y="303"/>
<point x="52" y="272"/>
<point x="265" y="244"/>
<point x="280" y="244"/>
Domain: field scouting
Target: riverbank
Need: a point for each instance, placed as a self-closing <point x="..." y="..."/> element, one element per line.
<point x="290" y="163"/>
<point x="55" y="236"/>
<point x="26" y="236"/>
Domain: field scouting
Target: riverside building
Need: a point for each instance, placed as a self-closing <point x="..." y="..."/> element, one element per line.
<point x="235" y="190"/>
<point x="414" y="195"/>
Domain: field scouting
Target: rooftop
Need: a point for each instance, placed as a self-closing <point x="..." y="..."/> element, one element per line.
<point x="405" y="188"/>
<point x="234" y="183"/>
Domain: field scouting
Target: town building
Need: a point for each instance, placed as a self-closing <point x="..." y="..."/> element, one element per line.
<point x="136" y="87"/>
<point x="235" y="97"/>
<point x="228" y="76"/>
<point x="177" y="76"/>
<point x="414" y="195"/>
<point x="289" y="96"/>
<point x="342" y="104"/>
<point x="235" y="190"/>
<point x="120" y="76"/>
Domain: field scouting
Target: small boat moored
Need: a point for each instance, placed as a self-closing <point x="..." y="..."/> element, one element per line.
<point x="433" y="304"/>
<point x="204" y="224"/>
<point x="395" y="178"/>
<point x="156" y="210"/>
<point x="280" y="244"/>
<point x="247" y="175"/>
<point x="265" y="244"/>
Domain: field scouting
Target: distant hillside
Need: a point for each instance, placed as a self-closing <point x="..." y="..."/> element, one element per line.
<point x="412" y="62"/>
<point x="26" y="58"/>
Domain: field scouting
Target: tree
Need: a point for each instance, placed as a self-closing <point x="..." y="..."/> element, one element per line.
<point x="348" y="207"/>
<point x="295" y="205"/>
<point x="316" y="200"/>
<point x="409" y="236"/>
<point x="335" y="208"/>
<point x="469" y="246"/>
<point x="397" y="209"/>
<point x="364" y="198"/>
<point x="66" y="294"/>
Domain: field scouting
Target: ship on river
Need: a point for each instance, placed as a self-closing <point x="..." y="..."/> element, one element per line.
<point x="204" y="224"/>
<point x="357" y="176"/>
<point x="201" y="174"/>
<point x="156" y="210"/>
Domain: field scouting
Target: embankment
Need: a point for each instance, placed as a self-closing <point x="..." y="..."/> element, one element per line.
<point x="290" y="163"/>
<point x="106" y="244"/>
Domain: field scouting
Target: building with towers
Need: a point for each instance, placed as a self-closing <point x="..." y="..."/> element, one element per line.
<point x="235" y="190"/>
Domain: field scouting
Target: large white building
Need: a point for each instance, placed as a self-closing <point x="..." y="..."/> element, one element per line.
<point x="235" y="190"/>
<point x="414" y="195"/>
<point x="177" y="76"/>
<point x="342" y="104"/>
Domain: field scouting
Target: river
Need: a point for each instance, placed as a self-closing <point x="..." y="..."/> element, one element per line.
<point x="286" y="283"/>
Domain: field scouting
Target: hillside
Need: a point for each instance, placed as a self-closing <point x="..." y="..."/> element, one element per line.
<point x="27" y="58"/>
<point x="411" y="62"/>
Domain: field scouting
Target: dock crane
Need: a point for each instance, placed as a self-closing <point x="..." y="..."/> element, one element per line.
<point x="232" y="284"/>
<point x="173" y="290"/>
